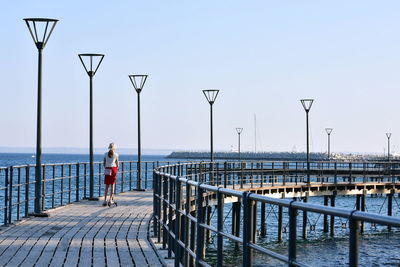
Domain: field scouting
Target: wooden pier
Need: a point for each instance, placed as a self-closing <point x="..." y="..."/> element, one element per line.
<point x="84" y="234"/>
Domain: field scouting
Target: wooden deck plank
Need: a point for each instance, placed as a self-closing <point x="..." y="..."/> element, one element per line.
<point x="83" y="234"/>
<point x="18" y="250"/>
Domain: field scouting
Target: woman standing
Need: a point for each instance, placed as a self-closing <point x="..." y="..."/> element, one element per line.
<point x="111" y="169"/>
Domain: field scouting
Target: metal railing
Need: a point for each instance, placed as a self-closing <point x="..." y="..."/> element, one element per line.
<point x="62" y="184"/>
<point x="184" y="192"/>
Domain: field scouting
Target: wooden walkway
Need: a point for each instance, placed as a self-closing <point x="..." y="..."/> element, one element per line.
<point x="84" y="234"/>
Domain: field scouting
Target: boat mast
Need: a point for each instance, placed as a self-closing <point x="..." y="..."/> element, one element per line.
<point x="255" y="133"/>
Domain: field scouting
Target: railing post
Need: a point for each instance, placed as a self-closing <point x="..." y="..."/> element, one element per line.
<point x="19" y="193"/>
<point x="351" y="173"/>
<point x="247" y="229"/>
<point x="77" y="183"/>
<point x="84" y="179"/>
<point x="241" y="175"/>
<point x="364" y="173"/>
<point x="354" y="243"/>
<point x="53" y="187"/>
<point x="62" y="185"/>
<point x="130" y="175"/>
<point x="27" y="169"/>
<point x="200" y="228"/>
<point x="170" y="211"/>
<point x="155" y="204"/>
<point x="69" y="183"/>
<point x="145" y="175"/>
<point x="220" y="226"/>
<point x="284" y="173"/>
<point x="10" y="201"/>
<point x="43" y="196"/>
<point x="262" y="175"/>
<point x="273" y="178"/>
<point x="292" y="233"/>
<point x="178" y="205"/>
<point x="122" y="177"/>
<point x="187" y="221"/>
<point x="6" y="188"/>
<point x="335" y="179"/>
<point x="101" y="167"/>
<point x="165" y="195"/>
<point x="225" y="173"/>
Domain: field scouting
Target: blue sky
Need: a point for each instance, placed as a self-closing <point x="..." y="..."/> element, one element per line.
<point x="263" y="55"/>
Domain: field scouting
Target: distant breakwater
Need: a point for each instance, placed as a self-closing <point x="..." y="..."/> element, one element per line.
<point x="289" y="156"/>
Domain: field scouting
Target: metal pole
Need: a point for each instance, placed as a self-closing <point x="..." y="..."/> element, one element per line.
<point x="139" y="178"/>
<point x="329" y="146"/>
<point x="91" y="161"/>
<point x="220" y="225"/>
<point x="38" y="168"/>
<point x="239" y="146"/>
<point x="211" y="132"/>
<point x="308" y="151"/>
<point x="388" y="147"/>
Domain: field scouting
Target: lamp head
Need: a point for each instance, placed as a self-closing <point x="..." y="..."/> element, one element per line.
<point x="211" y="95"/>
<point x="307" y="103"/>
<point x="239" y="130"/>
<point x="40" y="30"/>
<point x="91" y="62"/>
<point x="328" y="130"/>
<point x="138" y="81"/>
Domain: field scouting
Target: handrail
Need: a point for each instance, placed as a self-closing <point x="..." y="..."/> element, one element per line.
<point x="182" y="193"/>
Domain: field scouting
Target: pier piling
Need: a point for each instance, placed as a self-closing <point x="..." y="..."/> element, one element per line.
<point x="280" y="223"/>
<point x="326" y="226"/>
<point x="390" y="206"/>
<point x="333" y="197"/>
<point x="263" y="231"/>
<point x="305" y="200"/>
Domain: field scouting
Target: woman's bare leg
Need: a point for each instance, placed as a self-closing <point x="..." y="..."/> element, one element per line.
<point x="105" y="193"/>
<point x="112" y="192"/>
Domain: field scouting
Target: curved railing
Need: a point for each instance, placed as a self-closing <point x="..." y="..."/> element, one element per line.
<point x="183" y="194"/>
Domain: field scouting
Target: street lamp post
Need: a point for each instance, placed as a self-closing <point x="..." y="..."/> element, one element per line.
<point x="307" y="103"/>
<point x="388" y="135"/>
<point x="40" y="30"/>
<point x="329" y="131"/>
<point x="211" y="96"/>
<point x="138" y="82"/>
<point x="91" y="63"/>
<point x="239" y="131"/>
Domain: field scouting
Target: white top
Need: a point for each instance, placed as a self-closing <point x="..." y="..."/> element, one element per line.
<point x="111" y="162"/>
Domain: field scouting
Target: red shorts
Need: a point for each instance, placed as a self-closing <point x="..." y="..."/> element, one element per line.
<point x="111" y="179"/>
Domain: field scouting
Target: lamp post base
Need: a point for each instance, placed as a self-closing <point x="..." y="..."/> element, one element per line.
<point x="39" y="214"/>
